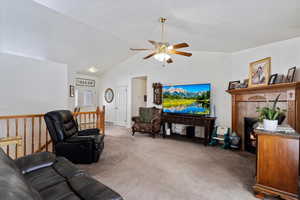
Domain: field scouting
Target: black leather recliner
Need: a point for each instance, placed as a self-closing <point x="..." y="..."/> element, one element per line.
<point x="77" y="146"/>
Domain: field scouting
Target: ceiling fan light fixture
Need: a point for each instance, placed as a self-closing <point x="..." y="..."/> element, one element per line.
<point x="162" y="57"/>
<point x="162" y="50"/>
<point x="93" y="69"/>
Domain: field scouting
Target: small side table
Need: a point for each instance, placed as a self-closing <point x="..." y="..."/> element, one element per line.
<point x="277" y="165"/>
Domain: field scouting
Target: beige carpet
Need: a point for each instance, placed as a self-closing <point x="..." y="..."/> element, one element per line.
<point x="142" y="168"/>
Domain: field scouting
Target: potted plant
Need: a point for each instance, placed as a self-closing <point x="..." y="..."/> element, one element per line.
<point x="271" y="116"/>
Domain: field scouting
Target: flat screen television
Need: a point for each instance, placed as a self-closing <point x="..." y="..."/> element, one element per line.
<point x="187" y="99"/>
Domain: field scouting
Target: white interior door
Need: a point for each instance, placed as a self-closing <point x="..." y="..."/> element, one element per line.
<point x="120" y="106"/>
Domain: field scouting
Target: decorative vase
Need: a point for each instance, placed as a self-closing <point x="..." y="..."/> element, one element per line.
<point x="270" y="125"/>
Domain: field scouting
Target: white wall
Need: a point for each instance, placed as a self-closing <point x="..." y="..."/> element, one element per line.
<point x="29" y="86"/>
<point x="202" y="67"/>
<point x="285" y="54"/>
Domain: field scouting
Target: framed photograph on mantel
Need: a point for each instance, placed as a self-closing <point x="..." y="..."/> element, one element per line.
<point x="259" y="72"/>
<point x="291" y="75"/>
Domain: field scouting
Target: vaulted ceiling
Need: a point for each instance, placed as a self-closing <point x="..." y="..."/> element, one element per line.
<point x="99" y="32"/>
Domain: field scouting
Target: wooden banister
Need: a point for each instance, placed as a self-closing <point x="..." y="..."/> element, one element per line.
<point x="33" y="131"/>
<point x="13" y="140"/>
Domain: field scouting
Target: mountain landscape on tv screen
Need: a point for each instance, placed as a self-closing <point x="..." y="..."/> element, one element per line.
<point x="187" y="99"/>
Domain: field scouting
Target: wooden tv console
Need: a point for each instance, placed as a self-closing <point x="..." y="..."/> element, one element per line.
<point x="193" y="120"/>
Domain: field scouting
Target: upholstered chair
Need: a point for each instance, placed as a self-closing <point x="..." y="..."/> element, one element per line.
<point x="148" y="121"/>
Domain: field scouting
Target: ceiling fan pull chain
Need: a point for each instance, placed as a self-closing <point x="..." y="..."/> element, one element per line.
<point x="162" y="32"/>
<point x="162" y="20"/>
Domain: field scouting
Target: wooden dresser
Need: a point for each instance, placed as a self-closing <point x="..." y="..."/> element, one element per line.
<point x="277" y="165"/>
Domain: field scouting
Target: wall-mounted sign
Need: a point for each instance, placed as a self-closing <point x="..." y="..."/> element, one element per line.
<point x="85" y="82"/>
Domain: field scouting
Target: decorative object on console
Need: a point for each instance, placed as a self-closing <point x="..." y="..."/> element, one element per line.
<point x="233" y="85"/>
<point x="157" y="93"/>
<point x="291" y="75"/>
<point x="72" y="91"/>
<point x="272" y="79"/>
<point x="235" y="141"/>
<point x="85" y="82"/>
<point x="221" y="134"/>
<point x="163" y="49"/>
<point x="259" y="72"/>
<point x="271" y="115"/>
<point x="109" y="95"/>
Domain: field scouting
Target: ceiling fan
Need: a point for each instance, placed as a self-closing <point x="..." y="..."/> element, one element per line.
<point x="162" y="50"/>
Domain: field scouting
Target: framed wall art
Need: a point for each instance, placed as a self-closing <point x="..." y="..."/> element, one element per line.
<point x="85" y="82"/>
<point x="259" y="72"/>
<point x="72" y="91"/>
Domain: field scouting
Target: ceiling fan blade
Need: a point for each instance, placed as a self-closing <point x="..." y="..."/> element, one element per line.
<point x="133" y="49"/>
<point x="150" y="55"/>
<point x="170" y="60"/>
<point x="179" y="53"/>
<point x="181" y="45"/>
<point x="153" y="42"/>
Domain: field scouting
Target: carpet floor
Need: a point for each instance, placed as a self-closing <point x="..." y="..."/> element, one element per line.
<point x="143" y="168"/>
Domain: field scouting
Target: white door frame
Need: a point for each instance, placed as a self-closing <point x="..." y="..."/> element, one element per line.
<point x="117" y="108"/>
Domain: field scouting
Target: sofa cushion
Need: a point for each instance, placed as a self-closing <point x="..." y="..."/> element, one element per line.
<point x="44" y="178"/>
<point x="65" y="168"/>
<point x="13" y="186"/>
<point x="90" y="189"/>
<point x="61" y="191"/>
<point x="143" y="127"/>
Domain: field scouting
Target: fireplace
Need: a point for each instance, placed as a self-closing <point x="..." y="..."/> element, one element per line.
<point x="250" y="139"/>
<point x="246" y="100"/>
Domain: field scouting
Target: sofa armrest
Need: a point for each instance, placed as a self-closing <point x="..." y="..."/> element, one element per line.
<point x="136" y="119"/>
<point x="156" y="120"/>
<point x="91" y="131"/>
<point x="79" y="139"/>
<point x="35" y="161"/>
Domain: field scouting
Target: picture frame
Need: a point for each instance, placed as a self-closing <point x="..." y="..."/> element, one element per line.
<point x="72" y="91"/>
<point x="291" y="75"/>
<point x="259" y="72"/>
<point x="280" y="79"/>
<point x="85" y="82"/>
<point x="272" y="79"/>
<point x="233" y="85"/>
<point x="245" y="83"/>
